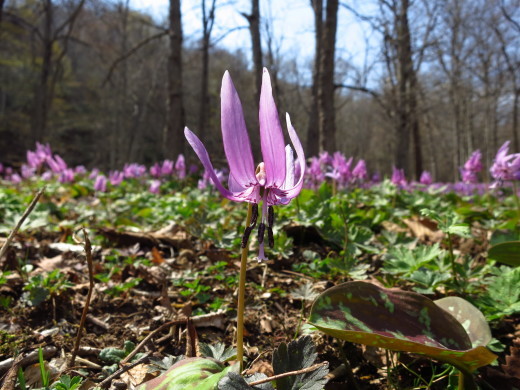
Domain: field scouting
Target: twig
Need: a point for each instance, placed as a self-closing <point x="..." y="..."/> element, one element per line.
<point x="122" y="370"/>
<point x="147" y="338"/>
<point x="290" y="373"/>
<point x="21" y="221"/>
<point x="30" y="358"/>
<point x="88" y="254"/>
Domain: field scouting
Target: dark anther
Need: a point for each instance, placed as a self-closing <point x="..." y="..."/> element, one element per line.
<point x="270" y="236"/>
<point x="245" y="237"/>
<point x="270" y="216"/>
<point x="261" y="231"/>
<point x="254" y="215"/>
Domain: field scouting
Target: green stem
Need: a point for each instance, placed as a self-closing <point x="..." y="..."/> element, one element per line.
<point x="241" y="296"/>
<point x="515" y="196"/>
<point x="466" y="381"/>
<point x="452" y="259"/>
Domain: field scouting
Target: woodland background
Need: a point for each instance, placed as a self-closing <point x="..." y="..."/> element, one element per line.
<point x="105" y="84"/>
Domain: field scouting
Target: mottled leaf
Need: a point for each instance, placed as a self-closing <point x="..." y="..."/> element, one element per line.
<point x="471" y="318"/>
<point x="398" y="320"/>
<point x="506" y="253"/>
<point x="191" y="373"/>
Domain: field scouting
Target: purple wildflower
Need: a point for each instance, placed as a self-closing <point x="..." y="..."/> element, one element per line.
<point x="57" y="164"/>
<point x="66" y="176"/>
<point x="80" y="170"/>
<point x="155" y="186"/>
<point x="27" y="171"/>
<point x="426" y="178"/>
<point x="101" y="183"/>
<point x="116" y="177"/>
<point x="180" y="167"/>
<point x="398" y="177"/>
<point x="155" y="170"/>
<point x="505" y="167"/>
<point x="273" y="181"/>
<point x="474" y="163"/>
<point x="133" y="170"/>
<point x="94" y="174"/>
<point x="16" y="178"/>
<point x="360" y="171"/>
<point x="167" y="168"/>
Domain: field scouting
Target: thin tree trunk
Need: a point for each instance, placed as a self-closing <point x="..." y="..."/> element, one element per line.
<point x="327" y="115"/>
<point x="207" y="26"/>
<point x="174" y="135"/>
<point x="313" y="134"/>
<point x="41" y="102"/>
<point x="256" y="45"/>
<point x="408" y="123"/>
<point x="2" y="2"/>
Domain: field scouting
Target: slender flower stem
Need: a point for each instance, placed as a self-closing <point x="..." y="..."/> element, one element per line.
<point x="241" y="295"/>
<point x="452" y="259"/>
<point x="515" y="196"/>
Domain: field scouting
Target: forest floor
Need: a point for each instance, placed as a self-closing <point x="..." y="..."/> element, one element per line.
<point x="147" y="280"/>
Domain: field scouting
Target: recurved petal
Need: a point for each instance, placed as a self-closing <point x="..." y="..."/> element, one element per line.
<point x="271" y="136"/>
<point x="202" y="153"/>
<point x="289" y="168"/>
<point x="234" y="134"/>
<point x="294" y="191"/>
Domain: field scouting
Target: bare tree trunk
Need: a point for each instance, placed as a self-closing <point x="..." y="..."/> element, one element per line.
<point x="41" y="95"/>
<point x="207" y="26"/>
<point x="313" y="134"/>
<point x="2" y="2"/>
<point x="256" y="45"/>
<point x="408" y="122"/>
<point x="173" y="137"/>
<point x="326" y="88"/>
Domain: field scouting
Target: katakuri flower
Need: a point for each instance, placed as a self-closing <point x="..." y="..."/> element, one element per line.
<point x="272" y="181"/>
<point x="506" y="167"/>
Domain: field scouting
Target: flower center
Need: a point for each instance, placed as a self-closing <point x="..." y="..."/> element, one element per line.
<point x="260" y="174"/>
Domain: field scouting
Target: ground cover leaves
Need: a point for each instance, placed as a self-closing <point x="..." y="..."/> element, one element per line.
<point x="159" y="258"/>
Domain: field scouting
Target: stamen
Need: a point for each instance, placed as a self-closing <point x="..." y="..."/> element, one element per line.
<point x="270" y="216"/>
<point x="261" y="231"/>
<point x="254" y="215"/>
<point x="245" y="237"/>
<point x="270" y="236"/>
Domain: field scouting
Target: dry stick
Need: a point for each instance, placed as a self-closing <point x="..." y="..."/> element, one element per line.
<point x="147" y="338"/>
<point x="122" y="370"/>
<point x="290" y="373"/>
<point x="88" y="254"/>
<point x="21" y="221"/>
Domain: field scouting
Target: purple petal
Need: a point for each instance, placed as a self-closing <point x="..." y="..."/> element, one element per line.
<point x="293" y="192"/>
<point x="202" y="153"/>
<point x="234" y="134"/>
<point x="271" y="136"/>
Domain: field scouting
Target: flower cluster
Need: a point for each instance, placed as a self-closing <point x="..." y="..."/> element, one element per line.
<point x="506" y="167"/>
<point x="471" y="168"/>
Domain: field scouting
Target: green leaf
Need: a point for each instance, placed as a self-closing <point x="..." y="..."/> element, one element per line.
<point x="191" y="373"/>
<point x="234" y="381"/>
<point x="506" y="253"/>
<point x="398" y="320"/>
<point x="295" y="356"/>
<point x="305" y="292"/>
<point x="469" y="317"/>
<point x="218" y="351"/>
<point x="502" y="297"/>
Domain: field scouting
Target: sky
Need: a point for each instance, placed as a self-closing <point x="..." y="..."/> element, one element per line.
<point x="292" y="24"/>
